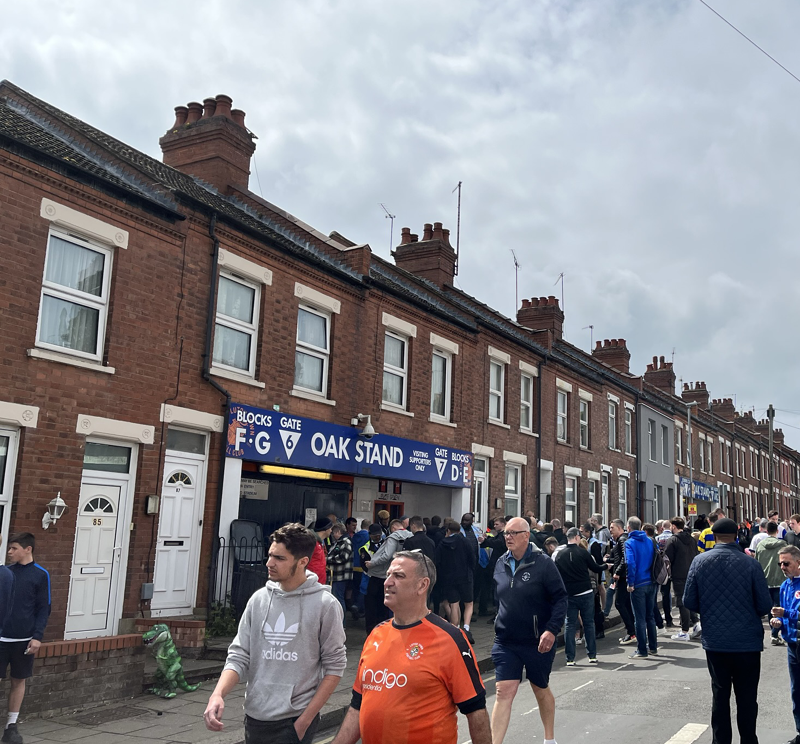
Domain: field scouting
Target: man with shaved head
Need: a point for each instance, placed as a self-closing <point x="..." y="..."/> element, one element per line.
<point x="532" y="604"/>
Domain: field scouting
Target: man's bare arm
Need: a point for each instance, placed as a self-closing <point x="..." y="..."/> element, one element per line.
<point x="350" y="732"/>
<point x="324" y="691"/>
<point x="479" y="729"/>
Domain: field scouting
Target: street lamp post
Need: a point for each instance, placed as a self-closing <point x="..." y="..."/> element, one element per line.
<point x="691" y="455"/>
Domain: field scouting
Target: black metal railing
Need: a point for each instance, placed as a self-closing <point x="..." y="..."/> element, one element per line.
<point x="236" y="571"/>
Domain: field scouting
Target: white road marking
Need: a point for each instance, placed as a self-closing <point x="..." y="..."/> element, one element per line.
<point x="586" y="684"/>
<point x="620" y="667"/>
<point x="689" y="733"/>
<point x="528" y="712"/>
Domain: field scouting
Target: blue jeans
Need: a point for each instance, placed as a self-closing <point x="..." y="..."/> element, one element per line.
<point x="794" y="682"/>
<point x="643" y="603"/>
<point x="338" y="589"/>
<point x="609" y="599"/>
<point x="584" y="604"/>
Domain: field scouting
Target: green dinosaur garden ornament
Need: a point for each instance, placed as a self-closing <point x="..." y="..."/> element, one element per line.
<point x="169" y="675"/>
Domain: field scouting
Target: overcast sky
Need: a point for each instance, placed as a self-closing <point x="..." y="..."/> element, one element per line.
<point x="641" y="147"/>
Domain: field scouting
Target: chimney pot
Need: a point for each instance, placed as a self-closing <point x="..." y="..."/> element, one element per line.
<point x="427" y="231"/>
<point x="181" y="114"/>
<point x="526" y="303"/>
<point x="414" y="238"/>
<point x="209" y="106"/>
<point x="238" y="117"/>
<point x="655" y="362"/>
<point x="598" y="345"/>
<point x="662" y="361"/>
<point x="224" y="104"/>
<point x="195" y="112"/>
<point x="437" y="231"/>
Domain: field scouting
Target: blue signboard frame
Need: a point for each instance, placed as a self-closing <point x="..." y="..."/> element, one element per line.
<point x="275" y="438"/>
<point x="702" y="491"/>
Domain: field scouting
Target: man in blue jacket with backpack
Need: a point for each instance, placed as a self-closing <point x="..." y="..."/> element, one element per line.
<point x="640" y="551"/>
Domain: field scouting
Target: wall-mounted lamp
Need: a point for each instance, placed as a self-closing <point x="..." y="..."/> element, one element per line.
<point x="369" y="430"/>
<point x="55" y="510"/>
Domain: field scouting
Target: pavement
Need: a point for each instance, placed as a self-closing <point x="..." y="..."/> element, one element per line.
<point x="147" y="718"/>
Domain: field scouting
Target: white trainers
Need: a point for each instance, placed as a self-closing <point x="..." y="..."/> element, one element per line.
<point x="593" y="660"/>
<point x="681" y="637"/>
<point x="697" y="631"/>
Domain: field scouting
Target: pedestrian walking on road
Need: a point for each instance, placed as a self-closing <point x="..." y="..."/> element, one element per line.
<point x="784" y="617"/>
<point x="455" y="566"/>
<point x="730" y="592"/>
<point x="532" y="604"/>
<point x="289" y="648"/>
<point x="622" y="599"/>
<point x="640" y="552"/>
<point x="374" y="608"/>
<point x="419" y="540"/>
<point x="340" y="563"/>
<point x="681" y="550"/>
<point x="574" y="563"/>
<point x="416" y="671"/>
<point x="768" y="556"/>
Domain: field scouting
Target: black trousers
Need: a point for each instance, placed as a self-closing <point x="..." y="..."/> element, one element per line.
<point x="622" y="601"/>
<point x="742" y="672"/>
<point x="276" y="732"/>
<point x="687" y="618"/>
<point x="375" y="611"/>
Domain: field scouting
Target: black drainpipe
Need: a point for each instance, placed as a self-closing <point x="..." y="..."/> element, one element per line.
<point x="539" y="446"/>
<point x="641" y="495"/>
<point x="211" y="317"/>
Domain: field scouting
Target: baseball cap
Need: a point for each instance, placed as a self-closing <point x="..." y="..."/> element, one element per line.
<point x="375" y="529"/>
<point x="725" y="526"/>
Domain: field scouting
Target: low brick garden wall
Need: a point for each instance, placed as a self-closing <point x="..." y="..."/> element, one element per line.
<point x="70" y="675"/>
<point x="189" y="635"/>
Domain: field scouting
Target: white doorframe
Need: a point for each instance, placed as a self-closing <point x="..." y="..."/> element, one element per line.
<point x="125" y="517"/>
<point x="7" y="490"/>
<point x="197" y="528"/>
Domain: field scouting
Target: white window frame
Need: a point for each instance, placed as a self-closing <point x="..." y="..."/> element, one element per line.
<point x="510" y="494"/>
<point x="562" y="415"/>
<point x="679" y="445"/>
<point x="710" y="457"/>
<point x="7" y="486"/>
<point x="251" y="329"/>
<point x="622" y="492"/>
<point x="315" y="351"/>
<point x="628" y="431"/>
<point x="525" y="404"/>
<point x="652" y="443"/>
<point x="571" y="506"/>
<point x="613" y="434"/>
<point x="728" y="460"/>
<point x="499" y="395"/>
<point x="59" y="291"/>
<point x="583" y="407"/>
<point x="702" y="454"/>
<point x="448" y="382"/>
<point x="401" y="372"/>
<point x="592" y="496"/>
<point x="722" y="457"/>
<point x="665" y="448"/>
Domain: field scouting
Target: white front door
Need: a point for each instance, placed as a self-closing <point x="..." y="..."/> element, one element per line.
<point x="177" y="549"/>
<point x="96" y="559"/>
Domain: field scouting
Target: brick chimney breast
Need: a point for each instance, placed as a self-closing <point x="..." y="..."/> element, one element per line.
<point x="431" y="258"/>
<point x="211" y="143"/>
<point x="613" y="352"/>
<point x="542" y="314"/>
<point x="696" y="392"/>
<point x="660" y="374"/>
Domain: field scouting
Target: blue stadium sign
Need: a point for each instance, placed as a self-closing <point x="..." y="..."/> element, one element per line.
<point x="276" y="438"/>
<point x="702" y="491"/>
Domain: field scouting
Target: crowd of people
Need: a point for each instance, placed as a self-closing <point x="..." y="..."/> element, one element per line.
<point x="532" y="580"/>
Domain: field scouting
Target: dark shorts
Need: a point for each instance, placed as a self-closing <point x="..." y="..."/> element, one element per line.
<point x="13" y="654"/>
<point x="510" y="660"/>
<point x="459" y="593"/>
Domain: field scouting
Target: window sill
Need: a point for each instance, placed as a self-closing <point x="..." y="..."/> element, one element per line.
<point x="495" y="422"/>
<point x="630" y="454"/>
<point x="244" y="379"/>
<point x="584" y="449"/>
<point x="563" y="443"/>
<point x="54" y="356"/>
<point x="528" y="433"/>
<point x="391" y="408"/>
<point x="615" y="449"/>
<point x="316" y="397"/>
<point x="442" y="421"/>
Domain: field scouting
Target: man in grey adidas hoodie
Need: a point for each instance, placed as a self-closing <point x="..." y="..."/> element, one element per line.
<point x="289" y="649"/>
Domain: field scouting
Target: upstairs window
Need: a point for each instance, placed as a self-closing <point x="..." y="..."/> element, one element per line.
<point x="628" y="431"/>
<point x="584" y="421"/>
<point x="312" y="354"/>
<point x="664" y="445"/>
<point x="561" y="416"/>
<point x="441" y="373"/>
<point x="236" y="330"/>
<point x="74" y="298"/>
<point x="651" y="436"/>
<point x="678" y="445"/>
<point x="395" y="369"/>
<point x="612" y="425"/>
<point x="496" y="395"/>
<point x="526" y="403"/>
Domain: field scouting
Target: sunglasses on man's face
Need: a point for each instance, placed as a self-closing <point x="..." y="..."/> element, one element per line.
<point x="784" y="563"/>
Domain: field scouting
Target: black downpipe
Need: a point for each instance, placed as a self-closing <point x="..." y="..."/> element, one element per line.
<point x="539" y="447"/>
<point x="640" y="486"/>
<point x="211" y="316"/>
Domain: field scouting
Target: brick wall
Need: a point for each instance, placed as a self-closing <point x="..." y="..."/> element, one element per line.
<point x="188" y="635"/>
<point x="69" y="675"/>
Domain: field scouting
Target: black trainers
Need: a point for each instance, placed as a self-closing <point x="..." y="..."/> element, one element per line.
<point x="11" y="735"/>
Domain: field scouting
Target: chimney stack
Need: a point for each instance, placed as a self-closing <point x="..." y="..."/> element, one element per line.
<point x="695" y="392"/>
<point x="431" y="258"/>
<point x="613" y="352"/>
<point x="542" y="314"/>
<point x="724" y="408"/>
<point x="209" y="140"/>
<point x="659" y="374"/>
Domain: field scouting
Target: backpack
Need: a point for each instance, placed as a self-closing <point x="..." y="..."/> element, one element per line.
<point x="660" y="570"/>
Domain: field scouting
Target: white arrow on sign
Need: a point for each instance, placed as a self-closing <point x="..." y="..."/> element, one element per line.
<point x="440" y="466"/>
<point x="290" y="439"/>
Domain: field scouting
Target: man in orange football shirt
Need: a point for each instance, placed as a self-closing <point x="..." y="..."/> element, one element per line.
<point x="419" y="662"/>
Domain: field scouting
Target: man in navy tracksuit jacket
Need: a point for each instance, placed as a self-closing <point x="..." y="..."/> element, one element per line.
<point x="24" y="625"/>
<point x="786" y="617"/>
<point x="730" y="592"/>
<point x="532" y="604"/>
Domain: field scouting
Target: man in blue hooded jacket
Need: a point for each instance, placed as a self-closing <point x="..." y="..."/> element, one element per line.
<point x="730" y="592"/>
<point x="784" y="618"/>
<point x="640" y="551"/>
